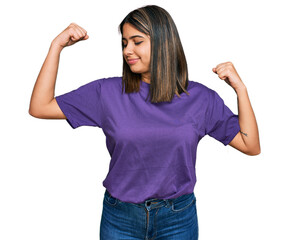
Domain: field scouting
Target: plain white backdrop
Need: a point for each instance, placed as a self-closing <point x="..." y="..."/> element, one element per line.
<point x="51" y="175"/>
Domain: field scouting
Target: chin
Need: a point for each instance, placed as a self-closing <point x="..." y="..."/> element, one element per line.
<point x="136" y="71"/>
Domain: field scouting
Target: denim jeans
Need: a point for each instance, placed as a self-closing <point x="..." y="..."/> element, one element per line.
<point x="154" y="219"/>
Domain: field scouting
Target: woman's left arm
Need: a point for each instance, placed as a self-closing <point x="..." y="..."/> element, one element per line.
<point x="247" y="140"/>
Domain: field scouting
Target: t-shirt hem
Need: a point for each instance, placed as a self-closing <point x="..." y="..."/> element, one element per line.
<point x="231" y="137"/>
<point x="66" y="113"/>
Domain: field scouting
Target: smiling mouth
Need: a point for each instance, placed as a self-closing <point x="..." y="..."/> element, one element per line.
<point x="132" y="61"/>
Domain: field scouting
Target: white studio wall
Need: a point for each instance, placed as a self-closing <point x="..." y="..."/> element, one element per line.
<point x="51" y="175"/>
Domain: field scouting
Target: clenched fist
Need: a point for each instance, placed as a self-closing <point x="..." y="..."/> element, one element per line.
<point x="72" y="34"/>
<point x="227" y="72"/>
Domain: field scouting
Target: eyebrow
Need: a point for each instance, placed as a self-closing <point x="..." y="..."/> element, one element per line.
<point x="134" y="36"/>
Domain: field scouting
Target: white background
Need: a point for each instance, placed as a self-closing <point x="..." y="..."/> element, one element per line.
<point x="51" y="175"/>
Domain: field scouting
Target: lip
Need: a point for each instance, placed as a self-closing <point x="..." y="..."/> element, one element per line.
<point x="132" y="61"/>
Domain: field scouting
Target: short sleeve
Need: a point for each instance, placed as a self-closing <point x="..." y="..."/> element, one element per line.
<point x="82" y="106"/>
<point x="221" y="123"/>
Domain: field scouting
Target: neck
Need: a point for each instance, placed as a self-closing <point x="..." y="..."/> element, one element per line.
<point x="146" y="78"/>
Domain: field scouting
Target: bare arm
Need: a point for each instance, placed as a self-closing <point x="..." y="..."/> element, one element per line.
<point x="247" y="140"/>
<point x="44" y="88"/>
<point x="43" y="103"/>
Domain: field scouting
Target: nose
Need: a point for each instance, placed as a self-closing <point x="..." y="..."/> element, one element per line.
<point x="128" y="50"/>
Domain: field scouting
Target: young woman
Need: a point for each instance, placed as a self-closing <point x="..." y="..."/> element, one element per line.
<point x="153" y="118"/>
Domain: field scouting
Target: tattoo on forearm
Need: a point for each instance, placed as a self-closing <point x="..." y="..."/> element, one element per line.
<point x="244" y="134"/>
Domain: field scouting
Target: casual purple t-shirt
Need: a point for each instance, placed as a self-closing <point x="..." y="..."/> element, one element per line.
<point x="152" y="145"/>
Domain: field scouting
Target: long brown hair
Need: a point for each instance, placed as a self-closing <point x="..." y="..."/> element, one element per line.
<point x="168" y="65"/>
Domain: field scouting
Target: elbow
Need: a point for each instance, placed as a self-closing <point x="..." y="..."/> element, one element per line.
<point x="33" y="113"/>
<point x="254" y="152"/>
<point x="31" y="110"/>
<point x="35" y="110"/>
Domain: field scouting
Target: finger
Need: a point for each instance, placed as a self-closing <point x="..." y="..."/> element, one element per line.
<point x="82" y="33"/>
<point x="224" y="63"/>
<point x="222" y="76"/>
<point x="214" y="70"/>
<point x="83" y="30"/>
<point x="78" y="33"/>
<point x="86" y="37"/>
<point x="217" y="68"/>
<point x="219" y="65"/>
<point x="221" y="69"/>
<point x="72" y="32"/>
<point x="75" y="36"/>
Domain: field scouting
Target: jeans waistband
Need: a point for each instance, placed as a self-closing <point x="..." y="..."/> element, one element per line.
<point x="156" y="202"/>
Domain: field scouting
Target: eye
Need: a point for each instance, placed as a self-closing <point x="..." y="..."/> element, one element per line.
<point x="138" y="43"/>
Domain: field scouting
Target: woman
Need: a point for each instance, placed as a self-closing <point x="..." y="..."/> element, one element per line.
<point x="150" y="185"/>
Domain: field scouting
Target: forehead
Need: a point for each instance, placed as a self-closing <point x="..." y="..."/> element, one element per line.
<point x="128" y="31"/>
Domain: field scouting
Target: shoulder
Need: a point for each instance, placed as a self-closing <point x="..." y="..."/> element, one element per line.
<point x="200" y="89"/>
<point x="110" y="81"/>
<point x="104" y="84"/>
<point x="111" y="85"/>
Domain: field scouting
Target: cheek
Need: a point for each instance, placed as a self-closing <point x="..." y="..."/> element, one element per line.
<point x="146" y="55"/>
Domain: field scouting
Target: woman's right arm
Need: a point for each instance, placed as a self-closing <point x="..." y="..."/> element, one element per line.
<point x="43" y="103"/>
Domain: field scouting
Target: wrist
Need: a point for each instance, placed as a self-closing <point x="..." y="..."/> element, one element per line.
<point x="240" y="88"/>
<point x="55" y="46"/>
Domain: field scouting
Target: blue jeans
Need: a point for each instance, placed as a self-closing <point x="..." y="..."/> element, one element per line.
<point x="154" y="219"/>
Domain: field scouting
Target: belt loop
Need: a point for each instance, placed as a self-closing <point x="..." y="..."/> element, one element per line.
<point x="168" y="202"/>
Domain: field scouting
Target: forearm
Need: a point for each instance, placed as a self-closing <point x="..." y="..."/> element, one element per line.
<point x="247" y="121"/>
<point x="44" y="88"/>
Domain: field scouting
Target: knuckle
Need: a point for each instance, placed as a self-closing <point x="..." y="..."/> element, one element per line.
<point x="71" y="31"/>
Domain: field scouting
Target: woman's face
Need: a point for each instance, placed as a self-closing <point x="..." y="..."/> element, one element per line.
<point x="136" y="50"/>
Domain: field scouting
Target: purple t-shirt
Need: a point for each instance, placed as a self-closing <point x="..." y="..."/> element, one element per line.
<point x="152" y="145"/>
